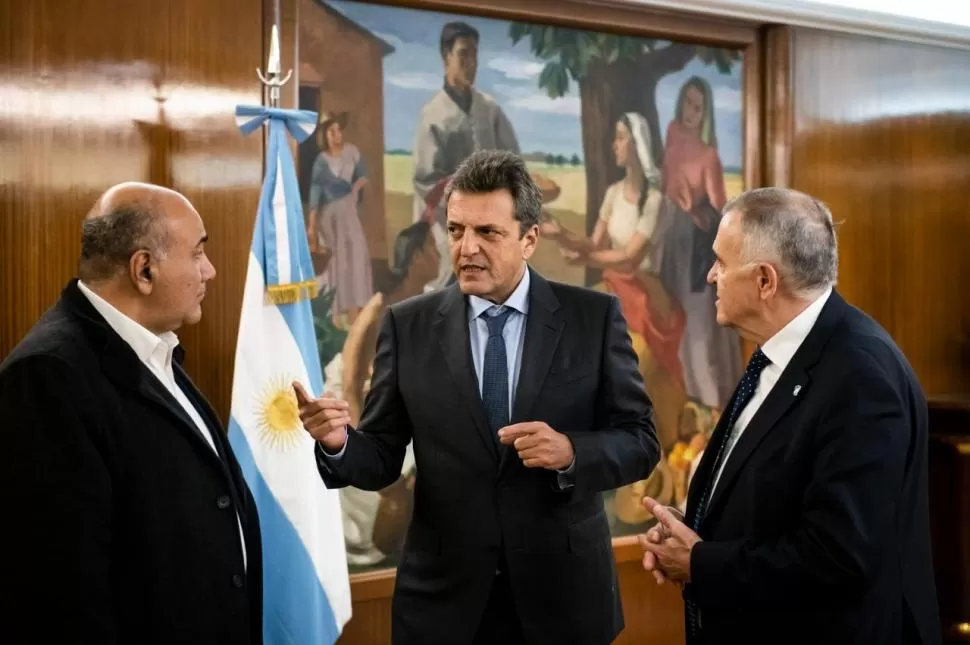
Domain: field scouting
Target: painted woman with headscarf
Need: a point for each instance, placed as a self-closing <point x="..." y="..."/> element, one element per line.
<point x="627" y="244"/>
<point x="693" y="182"/>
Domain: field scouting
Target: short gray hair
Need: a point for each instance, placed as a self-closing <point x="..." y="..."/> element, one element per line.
<point x="109" y="240"/>
<point x="792" y="229"/>
<point x="486" y="171"/>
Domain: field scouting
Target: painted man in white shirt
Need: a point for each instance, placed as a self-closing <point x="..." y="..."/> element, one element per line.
<point x="457" y="121"/>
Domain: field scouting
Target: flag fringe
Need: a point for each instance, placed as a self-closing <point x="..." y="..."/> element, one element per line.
<point x="287" y="294"/>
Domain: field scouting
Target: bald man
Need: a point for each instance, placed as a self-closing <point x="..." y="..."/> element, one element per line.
<point x="127" y="517"/>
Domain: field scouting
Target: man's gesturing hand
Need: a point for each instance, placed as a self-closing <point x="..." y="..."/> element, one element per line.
<point x="326" y="418"/>
<point x="538" y="445"/>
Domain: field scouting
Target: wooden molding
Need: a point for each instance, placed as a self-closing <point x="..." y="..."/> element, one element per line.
<point x="778" y="105"/>
<point x="754" y="118"/>
<point x="885" y="23"/>
<point x="600" y="15"/>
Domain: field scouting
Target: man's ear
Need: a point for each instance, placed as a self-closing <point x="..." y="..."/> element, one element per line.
<point x="530" y="239"/>
<point x="141" y="271"/>
<point x="768" y="279"/>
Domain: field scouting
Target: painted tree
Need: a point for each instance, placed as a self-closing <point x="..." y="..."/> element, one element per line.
<point x="615" y="74"/>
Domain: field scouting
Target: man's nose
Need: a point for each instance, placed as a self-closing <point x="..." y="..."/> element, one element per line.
<point x="469" y="245"/>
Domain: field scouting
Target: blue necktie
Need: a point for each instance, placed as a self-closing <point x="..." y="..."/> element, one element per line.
<point x="745" y="390"/>
<point x="495" y="377"/>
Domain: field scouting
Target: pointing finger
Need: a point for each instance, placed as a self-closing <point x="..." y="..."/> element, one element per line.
<point x="508" y="434"/>
<point x="302" y="398"/>
<point x="673" y="525"/>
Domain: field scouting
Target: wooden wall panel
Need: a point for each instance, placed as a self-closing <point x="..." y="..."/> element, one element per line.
<point x="96" y="93"/>
<point x="881" y="132"/>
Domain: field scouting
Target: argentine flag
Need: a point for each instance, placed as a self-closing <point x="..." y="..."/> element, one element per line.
<point x="306" y="589"/>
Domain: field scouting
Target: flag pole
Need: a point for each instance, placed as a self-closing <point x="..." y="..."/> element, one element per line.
<point x="272" y="78"/>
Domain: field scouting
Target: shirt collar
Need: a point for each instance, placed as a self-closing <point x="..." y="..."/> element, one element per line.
<point x="518" y="300"/>
<point x="781" y="347"/>
<point x="146" y="345"/>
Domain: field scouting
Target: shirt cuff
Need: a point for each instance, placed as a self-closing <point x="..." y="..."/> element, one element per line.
<point x="567" y="478"/>
<point x="340" y="453"/>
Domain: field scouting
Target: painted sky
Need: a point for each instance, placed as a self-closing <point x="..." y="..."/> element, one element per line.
<point x="413" y="73"/>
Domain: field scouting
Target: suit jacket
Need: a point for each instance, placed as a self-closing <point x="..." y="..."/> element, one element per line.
<point x="476" y="506"/>
<point x="818" y="530"/>
<point x="125" y="517"/>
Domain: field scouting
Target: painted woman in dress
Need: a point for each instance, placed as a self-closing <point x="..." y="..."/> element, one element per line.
<point x="626" y="244"/>
<point x="693" y="182"/>
<point x="335" y="196"/>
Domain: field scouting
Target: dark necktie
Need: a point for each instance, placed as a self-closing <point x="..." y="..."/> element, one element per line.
<point x="744" y="392"/>
<point x="495" y="372"/>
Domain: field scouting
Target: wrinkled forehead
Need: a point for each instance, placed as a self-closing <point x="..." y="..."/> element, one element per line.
<point x="727" y="242"/>
<point x="495" y="209"/>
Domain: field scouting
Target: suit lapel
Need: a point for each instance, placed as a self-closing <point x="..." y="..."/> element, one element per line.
<point x="705" y="468"/>
<point x="786" y="392"/>
<point x="198" y="401"/>
<point x="543" y="329"/>
<point x="151" y="389"/>
<point x="451" y="328"/>
<point x="782" y="396"/>
<point x="231" y="469"/>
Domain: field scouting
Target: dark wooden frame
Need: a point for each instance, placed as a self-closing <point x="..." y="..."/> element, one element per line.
<point x="599" y="15"/>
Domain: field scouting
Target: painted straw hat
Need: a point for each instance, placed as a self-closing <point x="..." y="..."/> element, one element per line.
<point x="328" y="117"/>
<point x="550" y="189"/>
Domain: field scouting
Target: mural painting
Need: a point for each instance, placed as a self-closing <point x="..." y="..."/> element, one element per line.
<point x="636" y="143"/>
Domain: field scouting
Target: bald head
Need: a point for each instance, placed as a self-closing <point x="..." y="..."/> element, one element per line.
<point x="143" y="250"/>
<point x="125" y="218"/>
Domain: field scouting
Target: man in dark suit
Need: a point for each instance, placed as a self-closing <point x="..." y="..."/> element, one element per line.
<point x="524" y="402"/>
<point x="128" y="518"/>
<point x="807" y="519"/>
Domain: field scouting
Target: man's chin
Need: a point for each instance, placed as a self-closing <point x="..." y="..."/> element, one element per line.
<point x="471" y="284"/>
<point x="722" y="319"/>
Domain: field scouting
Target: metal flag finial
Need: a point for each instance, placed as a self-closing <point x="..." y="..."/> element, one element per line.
<point x="274" y="82"/>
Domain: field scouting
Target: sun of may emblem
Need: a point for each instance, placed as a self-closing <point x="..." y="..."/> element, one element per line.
<point x="278" y="415"/>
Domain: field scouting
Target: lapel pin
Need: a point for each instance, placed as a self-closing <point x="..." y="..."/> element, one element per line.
<point x="798" y="388"/>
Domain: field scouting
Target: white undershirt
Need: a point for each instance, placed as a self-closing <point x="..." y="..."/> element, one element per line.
<point x="779" y="349"/>
<point x="155" y="351"/>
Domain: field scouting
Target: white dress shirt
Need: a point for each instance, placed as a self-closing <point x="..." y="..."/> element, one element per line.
<point x="779" y="349"/>
<point x="155" y="351"/>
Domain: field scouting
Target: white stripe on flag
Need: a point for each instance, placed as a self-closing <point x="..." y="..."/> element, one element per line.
<point x="283" y="266"/>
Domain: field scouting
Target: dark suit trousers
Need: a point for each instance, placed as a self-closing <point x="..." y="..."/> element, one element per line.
<point x="500" y="623"/>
